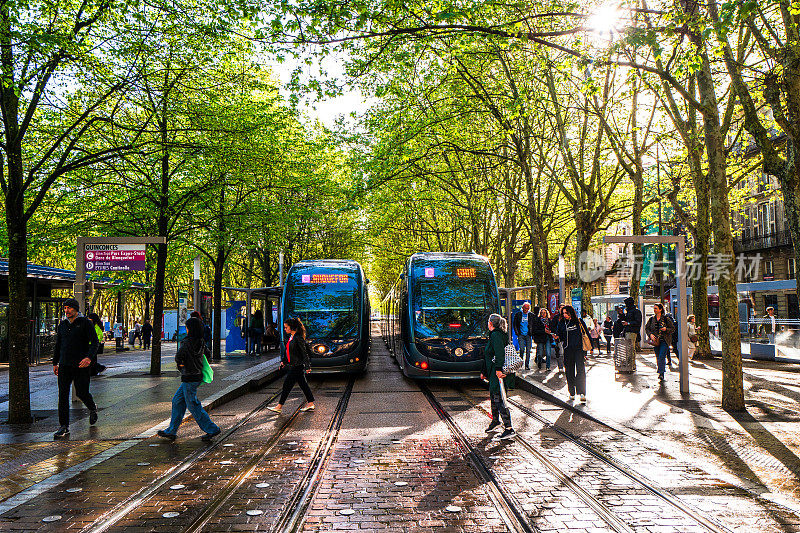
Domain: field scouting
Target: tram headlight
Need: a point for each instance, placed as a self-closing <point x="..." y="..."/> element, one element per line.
<point x="320" y="349"/>
<point x="459" y="352"/>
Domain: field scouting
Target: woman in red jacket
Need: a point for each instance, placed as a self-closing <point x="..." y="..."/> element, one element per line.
<point x="295" y="358"/>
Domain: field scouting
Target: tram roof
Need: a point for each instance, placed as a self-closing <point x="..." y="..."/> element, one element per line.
<point x="337" y="263"/>
<point x="448" y="255"/>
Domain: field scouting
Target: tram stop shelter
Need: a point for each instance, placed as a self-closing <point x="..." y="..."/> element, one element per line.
<point x="265" y="294"/>
<point x="44" y="307"/>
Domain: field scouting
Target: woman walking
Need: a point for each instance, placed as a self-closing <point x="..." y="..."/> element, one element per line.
<point x="295" y="358"/>
<point x="594" y="334"/>
<point x="541" y="335"/>
<point x="570" y="332"/>
<point x="494" y="358"/>
<point x="608" y="332"/>
<point x="659" y="331"/>
<point x="691" y="329"/>
<point x="190" y="364"/>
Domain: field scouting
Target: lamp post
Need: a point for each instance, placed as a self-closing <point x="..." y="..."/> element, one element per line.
<point x="196" y="286"/>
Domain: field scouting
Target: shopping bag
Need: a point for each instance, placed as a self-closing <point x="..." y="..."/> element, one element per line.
<point x="513" y="361"/>
<point x="208" y="372"/>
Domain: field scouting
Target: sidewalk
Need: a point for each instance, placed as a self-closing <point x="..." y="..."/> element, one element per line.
<point x="758" y="449"/>
<point x="129" y="400"/>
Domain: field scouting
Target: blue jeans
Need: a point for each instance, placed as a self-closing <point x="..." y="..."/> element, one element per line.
<point x="186" y="397"/>
<point x="543" y="353"/>
<point x="525" y="347"/>
<point x="661" y="356"/>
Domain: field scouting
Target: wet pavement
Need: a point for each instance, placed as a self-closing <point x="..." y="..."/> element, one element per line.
<point x="381" y="453"/>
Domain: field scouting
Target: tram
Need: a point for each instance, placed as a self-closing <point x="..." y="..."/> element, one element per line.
<point x="330" y="297"/>
<point x="434" y="318"/>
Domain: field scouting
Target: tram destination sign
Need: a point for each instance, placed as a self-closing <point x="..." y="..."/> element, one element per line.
<point x="115" y="257"/>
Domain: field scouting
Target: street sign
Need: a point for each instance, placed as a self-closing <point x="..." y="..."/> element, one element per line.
<point x="114" y="257"/>
<point x="183" y="299"/>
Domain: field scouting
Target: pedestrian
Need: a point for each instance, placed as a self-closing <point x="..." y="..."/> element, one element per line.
<point x="137" y="332"/>
<point x="769" y="325"/>
<point x="558" y="349"/>
<point x="692" y="330"/>
<point x="608" y="332"/>
<point x="594" y="335"/>
<point x="206" y="333"/>
<point x="256" y="331"/>
<point x="147" y="334"/>
<point x="190" y="362"/>
<point x="571" y="331"/>
<point x="672" y="341"/>
<point x="632" y="322"/>
<point x="494" y="357"/>
<point x="98" y="328"/>
<point x="619" y="323"/>
<point x="523" y="324"/>
<point x="541" y="336"/>
<point x="76" y="347"/>
<point x="297" y="362"/>
<point x="659" y="330"/>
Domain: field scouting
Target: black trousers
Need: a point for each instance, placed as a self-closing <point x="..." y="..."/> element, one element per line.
<point x="295" y="374"/>
<point x="575" y="370"/>
<point x="500" y="409"/>
<point x="67" y="375"/>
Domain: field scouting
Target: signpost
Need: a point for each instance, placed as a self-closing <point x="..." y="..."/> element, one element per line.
<point x="680" y="274"/>
<point x="108" y="254"/>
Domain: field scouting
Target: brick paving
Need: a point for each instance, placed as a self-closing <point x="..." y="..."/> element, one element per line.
<point x="396" y="467"/>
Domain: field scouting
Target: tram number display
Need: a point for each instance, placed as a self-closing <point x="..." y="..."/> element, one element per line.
<point x="465" y="272"/>
<point x="325" y="278"/>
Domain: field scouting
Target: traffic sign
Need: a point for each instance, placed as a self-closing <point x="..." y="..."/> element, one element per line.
<point x="114" y="257"/>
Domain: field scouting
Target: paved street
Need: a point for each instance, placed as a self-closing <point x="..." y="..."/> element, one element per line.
<point x="385" y="453"/>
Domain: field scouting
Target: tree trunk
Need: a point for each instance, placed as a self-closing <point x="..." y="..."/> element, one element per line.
<point x="732" y="385"/>
<point x="638" y="202"/>
<point x="582" y="238"/>
<point x="19" y="398"/>
<point x="158" y="310"/>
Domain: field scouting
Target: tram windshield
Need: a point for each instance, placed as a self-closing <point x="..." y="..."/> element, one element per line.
<point x="326" y="301"/>
<point x="449" y="305"/>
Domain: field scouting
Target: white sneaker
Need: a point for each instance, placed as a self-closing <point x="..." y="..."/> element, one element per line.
<point x="583" y="398"/>
<point x="571" y="397"/>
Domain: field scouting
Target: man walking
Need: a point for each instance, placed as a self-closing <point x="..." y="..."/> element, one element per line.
<point x="632" y="322"/>
<point x="147" y="332"/>
<point x="522" y="327"/>
<point x="76" y="345"/>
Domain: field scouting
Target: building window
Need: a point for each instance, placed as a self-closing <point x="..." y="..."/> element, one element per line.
<point x="769" y="274"/>
<point x="790" y="268"/>
<point x="771" y="300"/>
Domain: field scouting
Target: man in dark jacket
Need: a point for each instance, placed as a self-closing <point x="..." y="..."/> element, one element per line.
<point x="189" y="360"/>
<point x="76" y="347"/>
<point x="147" y="333"/>
<point x="632" y="321"/>
<point x="523" y="327"/>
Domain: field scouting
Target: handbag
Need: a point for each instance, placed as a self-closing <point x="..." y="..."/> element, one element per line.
<point x="587" y="342"/>
<point x="513" y="361"/>
<point x="208" y="372"/>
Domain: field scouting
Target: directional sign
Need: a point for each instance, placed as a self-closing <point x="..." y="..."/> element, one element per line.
<point x="115" y="257"/>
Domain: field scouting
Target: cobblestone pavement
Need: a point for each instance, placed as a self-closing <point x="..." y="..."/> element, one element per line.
<point x="760" y="447"/>
<point x="380" y="458"/>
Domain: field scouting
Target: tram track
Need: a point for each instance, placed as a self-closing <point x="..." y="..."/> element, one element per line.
<point x="291" y="515"/>
<point x="609" y="461"/>
<point x="637" y="478"/>
<point x="290" y="518"/>
<point x="510" y="510"/>
<point x="121" y="510"/>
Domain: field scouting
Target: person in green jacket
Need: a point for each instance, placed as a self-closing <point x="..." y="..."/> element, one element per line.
<point x="494" y="357"/>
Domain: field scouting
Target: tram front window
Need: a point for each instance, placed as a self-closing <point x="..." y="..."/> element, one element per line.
<point x="452" y="307"/>
<point x="328" y="310"/>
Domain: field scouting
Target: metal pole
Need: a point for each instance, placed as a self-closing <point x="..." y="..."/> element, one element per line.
<point x="280" y="269"/>
<point x="508" y="314"/>
<point x="196" y="286"/>
<point x="79" y="286"/>
<point x="683" y="337"/>
<point x="561" y="275"/>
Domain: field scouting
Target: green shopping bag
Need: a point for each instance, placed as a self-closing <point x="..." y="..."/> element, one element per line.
<point x="208" y="372"/>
